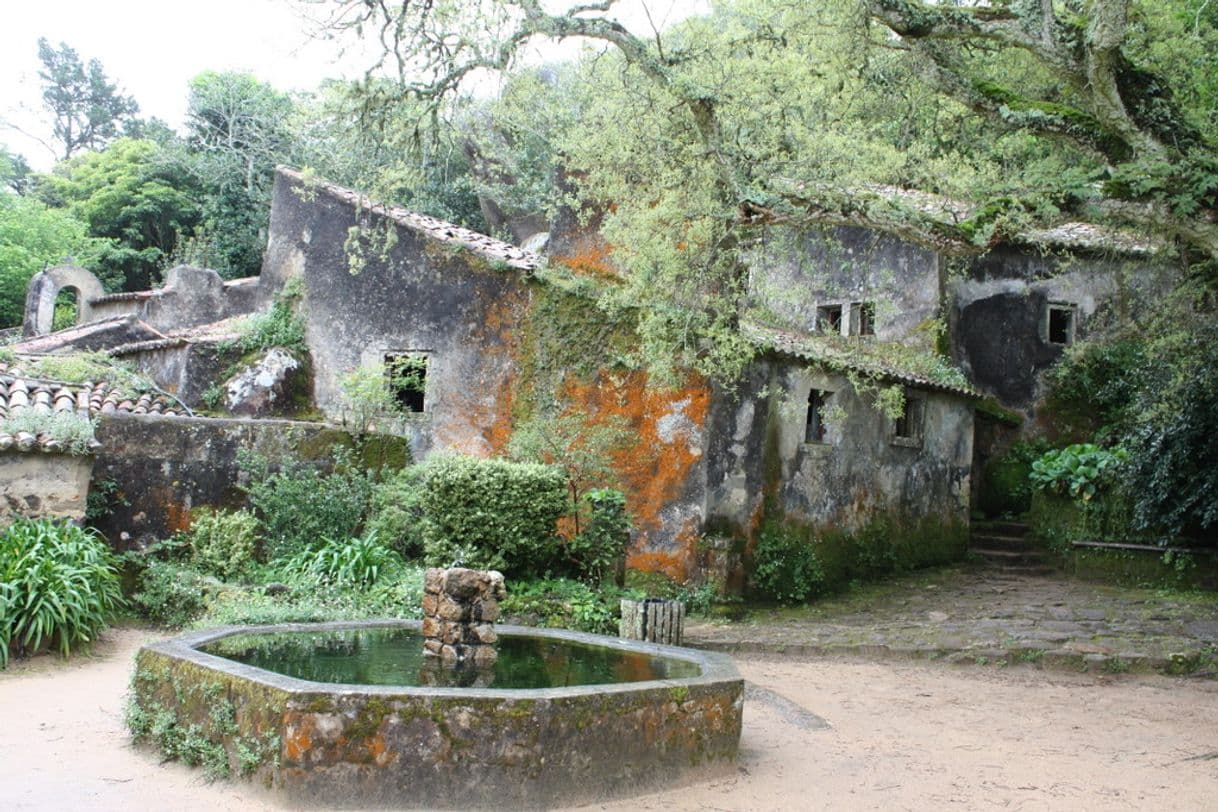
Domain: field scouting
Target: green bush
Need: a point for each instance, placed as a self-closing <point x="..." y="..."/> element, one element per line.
<point x="785" y="567"/>
<point x="492" y="514"/>
<point x="222" y="542"/>
<point x="562" y="603"/>
<point x="354" y="563"/>
<point x="396" y="514"/>
<point x="299" y="506"/>
<point x="171" y="593"/>
<point x="596" y="550"/>
<point x="58" y="586"/>
<point x="1080" y="471"/>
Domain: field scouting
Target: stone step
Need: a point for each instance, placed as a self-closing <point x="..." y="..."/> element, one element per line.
<point x="1020" y="571"/>
<point x="1001" y="528"/>
<point x="1008" y="557"/>
<point x="994" y="541"/>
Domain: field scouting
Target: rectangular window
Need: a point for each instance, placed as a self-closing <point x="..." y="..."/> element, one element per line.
<point x="829" y="319"/>
<point x="907" y="429"/>
<point x="406" y="376"/>
<point x="1060" y="324"/>
<point x="862" y="318"/>
<point x="814" y="427"/>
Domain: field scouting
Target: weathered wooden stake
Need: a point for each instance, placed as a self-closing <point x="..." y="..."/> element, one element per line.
<point x="655" y="620"/>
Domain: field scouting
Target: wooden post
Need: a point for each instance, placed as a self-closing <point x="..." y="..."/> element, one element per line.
<point x="655" y="620"/>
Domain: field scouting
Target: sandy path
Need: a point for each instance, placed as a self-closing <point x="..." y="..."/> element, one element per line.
<point x="903" y="736"/>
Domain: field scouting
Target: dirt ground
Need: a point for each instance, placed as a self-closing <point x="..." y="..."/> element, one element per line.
<point x="898" y="736"/>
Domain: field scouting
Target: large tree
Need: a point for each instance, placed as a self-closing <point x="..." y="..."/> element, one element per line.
<point x="87" y="110"/>
<point x="238" y="129"/>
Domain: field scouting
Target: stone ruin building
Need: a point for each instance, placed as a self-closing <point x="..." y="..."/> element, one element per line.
<point x="492" y="334"/>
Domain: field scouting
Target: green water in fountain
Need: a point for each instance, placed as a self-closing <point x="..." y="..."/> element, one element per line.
<point x="393" y="656"/>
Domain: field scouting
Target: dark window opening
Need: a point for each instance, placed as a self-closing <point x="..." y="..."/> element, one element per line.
<point x="814" y="429"/>
<point x="909" y="424"/>
<point x="406" y="374"/>
<point x="1061" y="324"/>
<point x="829" y="319"/>
<point x="862" y="319"/>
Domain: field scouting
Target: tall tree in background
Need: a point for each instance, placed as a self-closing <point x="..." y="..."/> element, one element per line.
<point x="87" y="110"/>
<point x="238" y="129"/>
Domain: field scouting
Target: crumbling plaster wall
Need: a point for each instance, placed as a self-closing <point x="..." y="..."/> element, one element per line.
<point x="792" y="272"/>
<point x="39" y="485"/>
<point x="422" y="297"/>
<point x="999" y="315"/>
<point x="757" y="447"/>
<point x="164" y="467"/>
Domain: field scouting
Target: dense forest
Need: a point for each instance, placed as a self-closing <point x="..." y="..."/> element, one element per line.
<point x="689" y="140"/>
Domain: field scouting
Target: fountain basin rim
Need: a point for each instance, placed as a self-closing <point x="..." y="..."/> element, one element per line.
<point x="716" y="667"/>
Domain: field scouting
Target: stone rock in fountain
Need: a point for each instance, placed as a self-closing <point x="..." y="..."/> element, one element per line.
<point x="459" y="608"/>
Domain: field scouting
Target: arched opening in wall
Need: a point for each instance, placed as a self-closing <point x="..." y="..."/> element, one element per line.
<point x="67" y="308"/>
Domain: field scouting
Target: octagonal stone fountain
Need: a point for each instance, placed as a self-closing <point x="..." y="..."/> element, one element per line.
<point x="356" y="714"/>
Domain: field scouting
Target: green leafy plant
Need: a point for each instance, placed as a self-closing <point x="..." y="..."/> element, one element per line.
<point x="1080" y="471"/>
<point x="355" y="562"/>
<point x="222" y="542"/>
<point x="785" y="567"/>
<point x="298" y="505"/>
<point x="564" y="603"/>
<point x="171" y="593"/>
<point x="277" y="327"/>
<point x="58" y="586"/>
<point x="492" y="513"/>
<point x="396" y="511"/>
<point x="596" y="550"/>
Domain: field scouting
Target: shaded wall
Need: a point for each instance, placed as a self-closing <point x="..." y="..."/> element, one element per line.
<point x="792" y="272"/>
<point x="157" y="469"/>
<point x="757" y="448"/>
<point x="421" y="297"/>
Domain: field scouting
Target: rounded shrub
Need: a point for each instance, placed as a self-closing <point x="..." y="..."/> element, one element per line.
<point x="785" y="567"/>
<point x="58" y="585"/>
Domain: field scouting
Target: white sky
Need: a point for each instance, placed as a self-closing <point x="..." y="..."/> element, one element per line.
<point x="152" y="48"/>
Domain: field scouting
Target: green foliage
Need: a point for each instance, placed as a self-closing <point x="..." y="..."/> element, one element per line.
<point x="574" y="443"/>
<point x="1080" y="471"/>
<point x="1174" y="457"/>
<point x="32" y="237"/>
<point x="597" y="549"/>
<point x="785" y="567"/>
<point x="355" y="563"/>
<point x="86" y="108"/>
<point x="1006" y="488"/>
<point x="238" y="130"/>
<point x="396" y="511"/>
<point x="279" y="326"/>
<point x="222" y="542"/>
<point x="138" y="194"/>
<point x="73" y="431"/>
<point x="171" y="593"/>
<point x="1093" y="390"/>
<point x="95" y="367"/>
<point x="366" y="398"/>
<point x="58" y="585"/>
<point x="298" y="505"/>
<point x="565" y="604"/>
<point x="492" y="514"/>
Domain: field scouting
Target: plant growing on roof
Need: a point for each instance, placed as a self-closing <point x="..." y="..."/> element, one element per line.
<point x="71" y="430"/>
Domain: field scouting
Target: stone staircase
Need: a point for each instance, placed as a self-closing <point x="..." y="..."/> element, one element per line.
<point x="1006" y="547"/>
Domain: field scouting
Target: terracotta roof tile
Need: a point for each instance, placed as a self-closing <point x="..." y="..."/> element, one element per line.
<point x="20" y="392"/>
<point x="486" y="247"/>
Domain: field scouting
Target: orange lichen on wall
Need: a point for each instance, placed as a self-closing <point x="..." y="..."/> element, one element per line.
<point x="476" y="424"/>
<point x="666" y="426"/>
<point x="590" y="257"/>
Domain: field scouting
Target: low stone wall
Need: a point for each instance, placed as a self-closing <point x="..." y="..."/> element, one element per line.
<point x="443" y="748"/>
<point x="40" y="485"/>
<point x="158" y="469"/>
<point x="460" y="607"/>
